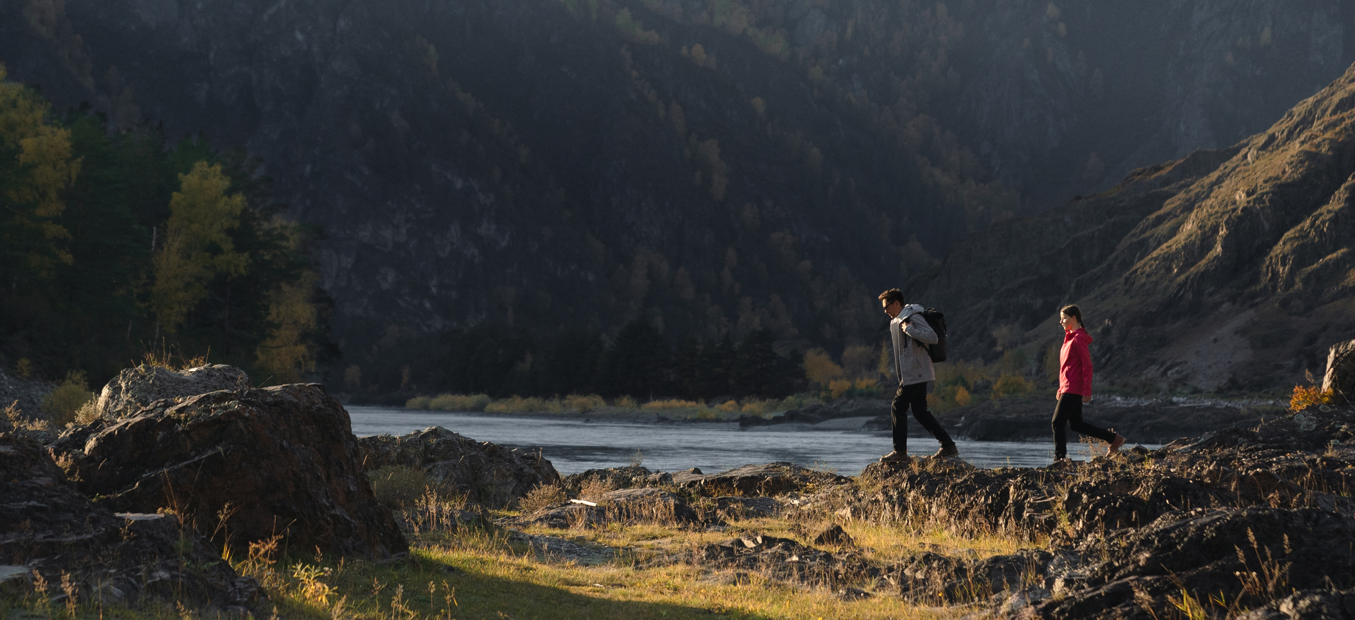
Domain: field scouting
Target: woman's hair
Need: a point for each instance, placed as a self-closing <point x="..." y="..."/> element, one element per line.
<point x="1075" y="312"/>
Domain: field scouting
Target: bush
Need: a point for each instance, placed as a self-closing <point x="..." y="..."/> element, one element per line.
<point x="518" y="404"/>
<point x="542" y="497"/>
<point x="1305" y="397"/>
<point x="624" y="402"/>
<point x="860" y="388"/>
<point x="398" y="486"/>
<point x="459" y="402"/>
<point x="583" y="403"/>
<point x="67" y="399"/>
<point x="673" y="403"/>
<point x="1011" y="385"/>
<point x="419" y="402"/>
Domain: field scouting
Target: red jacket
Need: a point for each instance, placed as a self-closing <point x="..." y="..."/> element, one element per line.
<point x="1075" y="364"/>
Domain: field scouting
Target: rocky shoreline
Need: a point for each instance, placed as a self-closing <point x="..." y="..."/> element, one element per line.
<point x="1026" y="418"/>
<point x="1251" y="520"/>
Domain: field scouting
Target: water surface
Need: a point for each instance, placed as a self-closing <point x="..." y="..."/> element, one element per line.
<point x="575" y="444"/>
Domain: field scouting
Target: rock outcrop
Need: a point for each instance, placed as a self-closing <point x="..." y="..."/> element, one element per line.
<point x="484" y="472"/>
<point x="240" y="466"/>
<point x="142" y="385"/>
<point x="768" y="480"/>
<point x="1340" y="375"/>
<point x="625" y="506"/>
<point x="50" y="530"/>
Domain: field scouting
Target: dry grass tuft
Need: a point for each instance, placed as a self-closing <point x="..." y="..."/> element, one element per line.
<point x="543" y="496"/>
<point x="398" y="486"/>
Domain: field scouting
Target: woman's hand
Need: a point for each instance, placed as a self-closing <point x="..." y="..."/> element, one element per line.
<point x="1086" y="398"/>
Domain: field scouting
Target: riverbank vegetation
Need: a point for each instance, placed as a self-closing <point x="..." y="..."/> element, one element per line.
<point x="864" y="373"/>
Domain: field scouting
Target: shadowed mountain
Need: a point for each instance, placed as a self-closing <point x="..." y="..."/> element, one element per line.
<point x="1228" y="269"/>
<point x="712" y="167"/>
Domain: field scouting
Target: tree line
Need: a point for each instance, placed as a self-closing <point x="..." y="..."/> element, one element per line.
<point x="114" y="245"/>
<point x="500" y="361"/>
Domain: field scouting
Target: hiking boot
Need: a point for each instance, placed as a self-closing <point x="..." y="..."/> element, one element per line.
<point x="947" y="451"/>
<point x="896" y="457"/>
<point x="1115" y="445"/>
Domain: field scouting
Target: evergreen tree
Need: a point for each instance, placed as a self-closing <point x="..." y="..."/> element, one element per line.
<point x="638" y="362"/>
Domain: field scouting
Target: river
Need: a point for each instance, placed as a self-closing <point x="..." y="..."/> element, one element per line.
<point x="574" y="444"/>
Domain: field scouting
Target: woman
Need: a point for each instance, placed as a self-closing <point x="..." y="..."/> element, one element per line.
<point x="1075" y="387"/>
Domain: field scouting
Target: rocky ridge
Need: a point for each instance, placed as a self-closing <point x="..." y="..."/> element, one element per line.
<point x="1225" y="270"/>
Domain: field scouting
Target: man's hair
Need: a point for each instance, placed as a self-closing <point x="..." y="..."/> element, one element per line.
<point x="892" y="295"/>
<point x="1075" y="312"/>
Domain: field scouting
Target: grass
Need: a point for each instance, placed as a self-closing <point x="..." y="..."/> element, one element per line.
<point x="465" y="571"/>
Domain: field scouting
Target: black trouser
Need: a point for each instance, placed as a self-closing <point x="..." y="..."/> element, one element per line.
<point x="914" y="395"/>
<point x="1069" y="412"/>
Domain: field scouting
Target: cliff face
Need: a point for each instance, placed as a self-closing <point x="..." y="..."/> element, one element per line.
<point x="708" y="166"/>
<point x="1226" y="269"/>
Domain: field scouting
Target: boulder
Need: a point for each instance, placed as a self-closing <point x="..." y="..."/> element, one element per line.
<point x="625" y="477"/>
<point x="137" y="387"/>
<point x="486" y="473"/>
<point x="767" y="480"/>
<point x="1340" y="377"/>
<point x="280" y="460"/>
<point x="48" y="529"/>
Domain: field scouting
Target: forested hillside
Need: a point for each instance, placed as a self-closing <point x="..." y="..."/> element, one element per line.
<point x="711" y="168"/>
<point x="117" y="246"/>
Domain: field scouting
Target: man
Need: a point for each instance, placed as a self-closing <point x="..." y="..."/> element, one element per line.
<point x="913" y="367"/>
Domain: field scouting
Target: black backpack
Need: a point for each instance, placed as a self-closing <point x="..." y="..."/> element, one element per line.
<point x="937" y="321"/>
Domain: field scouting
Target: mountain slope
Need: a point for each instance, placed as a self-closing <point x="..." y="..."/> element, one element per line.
<point x="708" y="166"/>
<point x="1230" y="269"/>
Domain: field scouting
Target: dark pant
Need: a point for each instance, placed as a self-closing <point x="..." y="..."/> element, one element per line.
<point x="915" y="396"/>
<point x="1069" y="412"/>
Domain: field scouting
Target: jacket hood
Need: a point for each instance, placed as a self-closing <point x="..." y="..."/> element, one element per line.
<point x="1077" y="333"/>
<point x="910" y="310"/>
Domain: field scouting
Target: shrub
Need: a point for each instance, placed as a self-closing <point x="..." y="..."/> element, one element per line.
<point x="518" y="404"/>
<point x="673" y="403"/>
<point x="1011" y="385"/>
<point x="87" y="413"/>
<point x="729" y="406"/>
<point x="459" y="402"/>
<point x="819" y="367"/>
<point x="1304" y="397"/>
<point x="862" y="387"/>
<point x="419" y="402"/>
<point x="583" y="403"/>
<point x="595" y="487"/>
<point x="12" y="418"/>
<point x="706" y="414"/>
<point x="398" y="486"/>
<point x="67" y="399"/>
<point x="543" y="496"/>
<point x="625" y="402"/>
